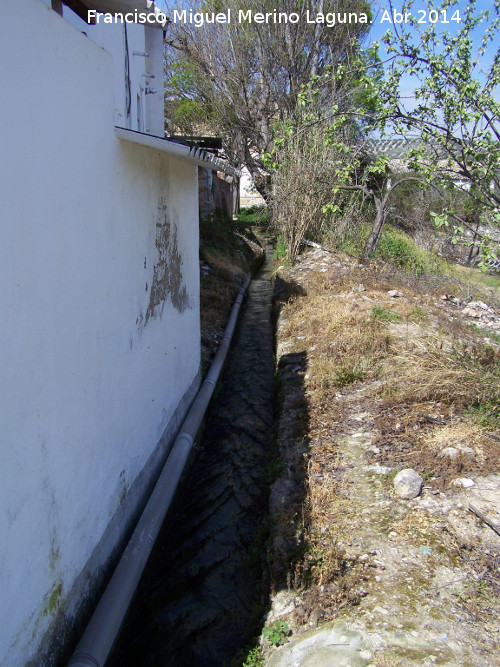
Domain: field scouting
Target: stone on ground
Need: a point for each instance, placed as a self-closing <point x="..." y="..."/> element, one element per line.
<point x="408" y="484"/>
<point x="331" y="644"/>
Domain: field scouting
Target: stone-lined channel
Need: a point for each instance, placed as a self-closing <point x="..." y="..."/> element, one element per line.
<point x="195" y="601"/>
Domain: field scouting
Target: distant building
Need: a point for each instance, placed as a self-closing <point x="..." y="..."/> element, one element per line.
<point x="248" y="193"/>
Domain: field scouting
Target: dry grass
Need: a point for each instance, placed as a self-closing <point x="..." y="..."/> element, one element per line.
<point x="328" y="579"/>
<point x="387" y="661"/>
<point x="324" y="557"/>
<point x="421" y="354"/>
<point x="458" y="435"/>
<point x="406" y="438"/>
<point x="435" y="371"/>
<point x="223" y="263"/>
<point x="428" y="366"/>
<point x="344" y="344"/>
<point x="217" y="294"/>
<point x="413" y="375"/>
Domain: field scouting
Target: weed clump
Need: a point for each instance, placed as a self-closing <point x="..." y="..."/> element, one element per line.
<point x="399" y="249"/>
<point x="462" y="375"/>
<point x="381" y="313"/>
<point x="254" y="215"/>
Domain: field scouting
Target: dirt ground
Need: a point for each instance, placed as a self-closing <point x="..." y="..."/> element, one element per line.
<point x="382" y="372"/>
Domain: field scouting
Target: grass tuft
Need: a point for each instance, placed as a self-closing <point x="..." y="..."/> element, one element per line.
<point x="381" y="313"/>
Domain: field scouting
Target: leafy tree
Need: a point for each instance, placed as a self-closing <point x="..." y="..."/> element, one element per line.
<point x="455" y="111"/>
<point x="454" y="115"/>
<point x="182" y="109"/>
<point x="315" y="150"/>
<point x="244" y="77"/>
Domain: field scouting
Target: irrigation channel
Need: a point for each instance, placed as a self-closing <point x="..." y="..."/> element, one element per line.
<point x="195" y="601"/>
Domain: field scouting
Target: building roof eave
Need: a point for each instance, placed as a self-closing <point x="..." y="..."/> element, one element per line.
<point x="190" y="153"/>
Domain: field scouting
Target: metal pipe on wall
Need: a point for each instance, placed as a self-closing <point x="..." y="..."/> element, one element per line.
<point x="97" y="641"/>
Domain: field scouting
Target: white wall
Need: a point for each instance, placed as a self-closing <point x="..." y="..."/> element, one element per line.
<point x="155" y="111"/>
<point x="146" y="110"/>
<point x="91" y="377"/>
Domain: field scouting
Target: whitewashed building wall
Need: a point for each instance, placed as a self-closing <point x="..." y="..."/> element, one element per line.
<point x="99" y="312"/>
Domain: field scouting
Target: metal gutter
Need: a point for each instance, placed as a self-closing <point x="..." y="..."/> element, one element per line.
<point x="191" y="153"/>
<point x="101" y="633"/>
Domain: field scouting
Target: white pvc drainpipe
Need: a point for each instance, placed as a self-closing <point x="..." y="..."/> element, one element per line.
<point x="98" y="639"/>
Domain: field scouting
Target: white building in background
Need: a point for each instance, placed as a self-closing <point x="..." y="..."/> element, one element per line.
<point x="99" y="335"/>
<point x="248" y="193"/>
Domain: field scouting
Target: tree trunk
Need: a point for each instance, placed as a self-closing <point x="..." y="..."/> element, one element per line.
<point x="473" y="250"/>
<point x="376" y="230"/>
<point x="262" y="185"/>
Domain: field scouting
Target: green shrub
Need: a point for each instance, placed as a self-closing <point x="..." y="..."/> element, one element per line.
<point x="280" y="251"/>
<point x="486" y="414"/>
<point x="276" y="633"/>
<point x="399" y="249"/>
<point x="254" y="215"/>
<point x="353" y="242"/>
<point x="254" y="658"/>
<point x="248" y="658"/>
<point x="348" y="375"/>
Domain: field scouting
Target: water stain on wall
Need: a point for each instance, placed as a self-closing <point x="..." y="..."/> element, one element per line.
<point x="167" y="274"/>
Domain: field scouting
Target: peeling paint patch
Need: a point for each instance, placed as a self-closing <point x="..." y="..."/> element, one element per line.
<point x="167" y="274"/>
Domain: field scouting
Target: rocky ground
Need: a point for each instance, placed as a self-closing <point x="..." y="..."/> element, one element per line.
<point x="381" y="373"/>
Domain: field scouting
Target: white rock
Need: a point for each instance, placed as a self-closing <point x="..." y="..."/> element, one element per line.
<point x="479" y="304"/>
<point x="378" y="469"/>
<point x="408" y="484"/>
<point x="449" y="453"/>
<point x="468" y="452"/>
<point x="394" y="293"/>
<point x="465" y="482"/>
<point x="381" y="610"/>
<point x="453" y="453"/>
<point x="471" y="312"/>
